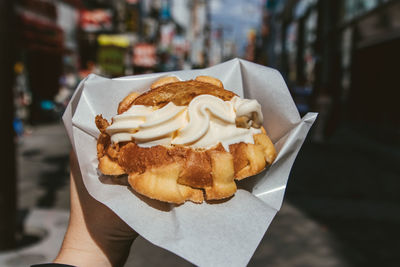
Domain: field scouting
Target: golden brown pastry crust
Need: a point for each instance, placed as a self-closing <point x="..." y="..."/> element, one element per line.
<point x="127" y="102"/>
<point x="181" y="93"/>
<point x="164" y="80"/>
<point x="176" y="174"/>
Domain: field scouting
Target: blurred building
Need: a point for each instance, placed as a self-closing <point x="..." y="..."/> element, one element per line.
<point x="337" y="58"/>
<point x="163" y="35"/>
<point x="40" y="44"/>
<point x="62" y="41"/>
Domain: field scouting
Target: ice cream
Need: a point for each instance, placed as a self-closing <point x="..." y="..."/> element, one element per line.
<point x="205" y="122"/>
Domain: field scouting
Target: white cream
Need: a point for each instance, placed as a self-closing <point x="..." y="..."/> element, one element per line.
<point x="247" y="107"/>
<point x="201" y="110"/>
<point x="207" y="121"/>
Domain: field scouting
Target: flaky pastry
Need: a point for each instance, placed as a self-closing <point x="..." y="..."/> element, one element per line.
<point x="173" y="166"/>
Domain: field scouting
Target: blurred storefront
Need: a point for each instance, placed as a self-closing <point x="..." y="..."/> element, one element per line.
<point x="51" y="45"/>
<point x="337" y="58"/>
<point x="60" y="42"/>
<point x="40" y="44"/>
<point x="290" y="41"/>
<point x="112" y="55"/>
<point x="370" y="32"/>
<point x="46" y="57"/>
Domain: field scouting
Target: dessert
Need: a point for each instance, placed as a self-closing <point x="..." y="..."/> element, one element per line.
<point x="184" y="140"/>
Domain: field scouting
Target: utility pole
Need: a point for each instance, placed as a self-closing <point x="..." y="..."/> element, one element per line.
<point x="8" y="183"/>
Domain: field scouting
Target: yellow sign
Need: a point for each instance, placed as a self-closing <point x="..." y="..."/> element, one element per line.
<point x="113" y="39"/>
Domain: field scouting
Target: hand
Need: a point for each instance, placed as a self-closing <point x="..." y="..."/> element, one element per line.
<point x="96" y="236"/>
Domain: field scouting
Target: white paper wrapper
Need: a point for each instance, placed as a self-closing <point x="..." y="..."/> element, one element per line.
<point x="224" y="234"/>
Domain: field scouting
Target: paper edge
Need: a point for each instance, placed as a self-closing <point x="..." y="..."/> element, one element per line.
<point x="289" y="157"/>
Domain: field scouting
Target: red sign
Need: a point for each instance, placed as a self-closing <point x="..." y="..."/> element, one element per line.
<point x="96" y="20"/>
<point x="144" y="55"/>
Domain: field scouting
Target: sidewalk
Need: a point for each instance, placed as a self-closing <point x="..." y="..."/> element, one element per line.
<point x="350" y="185"/>
<point x="43" y="168"/>
<point x="293" y="239"/>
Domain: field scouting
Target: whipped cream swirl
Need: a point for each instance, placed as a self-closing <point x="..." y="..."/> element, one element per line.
<point x="205" y="122"/>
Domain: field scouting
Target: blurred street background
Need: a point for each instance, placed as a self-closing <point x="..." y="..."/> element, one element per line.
<point x="338" y="58"/>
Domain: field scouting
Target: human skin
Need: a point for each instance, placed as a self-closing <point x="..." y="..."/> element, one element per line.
<point x="95" y="236"/>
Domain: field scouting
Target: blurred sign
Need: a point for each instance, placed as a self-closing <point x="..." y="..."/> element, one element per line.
<point x="96" y="20"/>
<point x="144" y="55"/>
<point x="111" y="60"/>
<point x="113" y="39"/>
